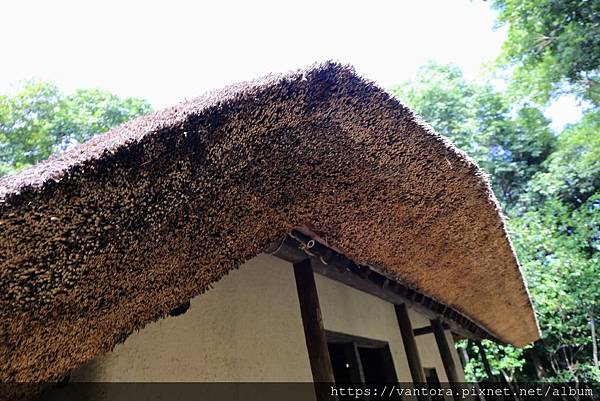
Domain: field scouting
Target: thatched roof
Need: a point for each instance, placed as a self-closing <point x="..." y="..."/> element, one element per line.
<point x="106" y="237"/>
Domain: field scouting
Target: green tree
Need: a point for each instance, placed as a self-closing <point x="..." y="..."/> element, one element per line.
<point x="509" y="144"/>
<point x="440" y="94"/>
<point x="505" y="361"/>
<point x="549" y="186"/>
<point x="557" y="236"/>
<point x="553" y="49"/>
<point x="40" y="120"/>
<point x="553" y="46"/>
<point x="556" y="231"/>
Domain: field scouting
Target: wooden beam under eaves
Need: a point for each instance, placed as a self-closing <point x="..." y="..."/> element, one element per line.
<point x="427" y="330"/>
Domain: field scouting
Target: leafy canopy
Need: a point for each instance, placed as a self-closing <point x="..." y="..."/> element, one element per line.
<point x="549" y="186"/>
<point x="40" y="120"/>
<point x="508" y="144"/>
<point x="557" y="233"/>
<point x="554" y="47"/>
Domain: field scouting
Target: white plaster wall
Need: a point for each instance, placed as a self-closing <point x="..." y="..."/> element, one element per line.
<point x="247" y="328"/>
<point x="350" y="311"/>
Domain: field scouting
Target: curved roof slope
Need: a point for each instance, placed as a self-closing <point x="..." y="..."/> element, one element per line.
<point x="101" y="240"/>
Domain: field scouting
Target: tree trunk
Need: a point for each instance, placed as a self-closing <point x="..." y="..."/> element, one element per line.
<point x="594" y="343"/>
<point x="517" y="388"/>
<point x="486" y="363"/>
<point x="465" y="359"/>
<point x="554" y="363"/>
<point x="537" y="363"/>
<point x="508" y="382"/>
<point x="570" y="368"/>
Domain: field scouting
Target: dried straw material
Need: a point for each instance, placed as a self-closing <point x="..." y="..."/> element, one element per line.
<point x="111" y="235"/>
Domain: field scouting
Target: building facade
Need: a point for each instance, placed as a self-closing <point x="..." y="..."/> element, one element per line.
<point x="249" y="328"/>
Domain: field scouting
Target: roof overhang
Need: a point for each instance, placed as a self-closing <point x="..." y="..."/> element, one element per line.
<point x="113" y="234"/>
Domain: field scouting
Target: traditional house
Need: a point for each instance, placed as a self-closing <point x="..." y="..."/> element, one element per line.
<point x="304" y="227"/>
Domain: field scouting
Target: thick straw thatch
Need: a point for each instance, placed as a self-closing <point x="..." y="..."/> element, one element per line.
<point x="101" y="240"/>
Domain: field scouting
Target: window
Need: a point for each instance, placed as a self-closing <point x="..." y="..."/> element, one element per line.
<point x="433" y="382"/>
<point x="360" y="360"/>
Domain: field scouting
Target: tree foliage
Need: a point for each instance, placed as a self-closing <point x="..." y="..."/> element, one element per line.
<point x="549" y="183"/>
<point x="553" y="45"/>
<point x="549" y="186"/>
<point x="506" y="362"/>
<point x="40" y="120"/>
<point x="509" y="144"/>
<point x="557" y="234"/>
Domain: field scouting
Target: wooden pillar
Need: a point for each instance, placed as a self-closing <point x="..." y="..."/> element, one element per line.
<point x="314" y="333"/>
<point x="410" y="344"/>
<point x="446" y="354"/>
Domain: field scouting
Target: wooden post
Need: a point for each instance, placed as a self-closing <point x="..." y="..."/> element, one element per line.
<point x="446" y="354"/>
<point x="410" y="344"/>
<point x="314" y="333"/>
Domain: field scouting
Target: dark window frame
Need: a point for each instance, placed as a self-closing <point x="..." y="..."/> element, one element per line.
<point x="352" y="346"/>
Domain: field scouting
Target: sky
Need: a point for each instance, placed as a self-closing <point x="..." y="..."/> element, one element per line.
<point x="172" y="50"/>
